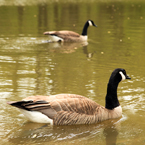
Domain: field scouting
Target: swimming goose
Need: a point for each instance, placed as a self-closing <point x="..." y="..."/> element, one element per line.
<point x="68" y="109"/>
<point x="69" y="36"/>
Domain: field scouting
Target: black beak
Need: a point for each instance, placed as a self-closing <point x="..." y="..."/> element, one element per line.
<point x="95" y="25"/>
<point x="127" y="77"/>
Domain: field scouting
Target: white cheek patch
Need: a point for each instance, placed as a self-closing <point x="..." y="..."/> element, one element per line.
<point x="122" y="75"/>
<point x="90" y="23"/>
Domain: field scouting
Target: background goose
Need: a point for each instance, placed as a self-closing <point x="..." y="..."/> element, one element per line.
<point x="67" y="109"/>
<point x="69" y="36"/>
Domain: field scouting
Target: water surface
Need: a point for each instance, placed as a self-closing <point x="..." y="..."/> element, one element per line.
<point x="31" y="66"/>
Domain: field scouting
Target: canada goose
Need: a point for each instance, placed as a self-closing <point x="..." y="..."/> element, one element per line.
<point x="69" y="36"/>
<point x="68" y="109"/>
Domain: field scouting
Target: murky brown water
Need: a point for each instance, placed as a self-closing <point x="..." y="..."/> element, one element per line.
<point x="30" y="66"/>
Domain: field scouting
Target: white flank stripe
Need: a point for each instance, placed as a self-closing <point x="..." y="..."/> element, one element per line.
<point x="55" y="38"/>
<point x="36" y="116"/>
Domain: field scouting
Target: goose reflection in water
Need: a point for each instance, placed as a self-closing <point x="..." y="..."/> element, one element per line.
<point x="65" y="47"/>
<point x="88" y="54"/>
<point x="70" y="48"/>
<point x="35" y="133"/>
<point x="111" y="133"/>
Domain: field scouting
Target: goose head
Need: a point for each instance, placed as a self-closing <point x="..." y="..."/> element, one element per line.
<point x="119" y="74"/>
<point x="91" y="23"/>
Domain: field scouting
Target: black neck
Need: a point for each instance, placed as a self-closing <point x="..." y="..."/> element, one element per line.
<point x="111" y="97"/>
<point x="84" y="32"/>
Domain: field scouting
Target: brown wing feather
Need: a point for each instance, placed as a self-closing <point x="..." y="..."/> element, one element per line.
<point x="63" y="34"/>
<point x="54" y="97"/>
<point x="69" y="118"/>
<point x="82" y="106"/>
<point x="68" y="102"/>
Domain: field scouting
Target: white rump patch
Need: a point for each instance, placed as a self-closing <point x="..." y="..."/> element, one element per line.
<point x="36" y="116"/>
<point x="54" y="38"/>
<point x="122" y="75"/>
<point x="90" y="23"/>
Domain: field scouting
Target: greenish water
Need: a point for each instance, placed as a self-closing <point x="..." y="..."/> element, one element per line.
<point x="30" y="66"/>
